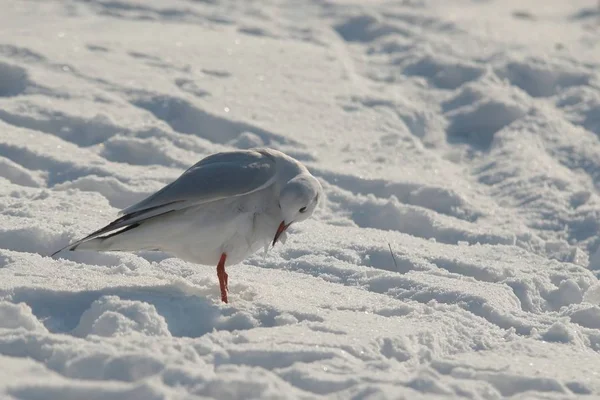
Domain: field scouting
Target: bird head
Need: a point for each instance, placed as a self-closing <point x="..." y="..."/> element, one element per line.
<point x="298" y="199"/>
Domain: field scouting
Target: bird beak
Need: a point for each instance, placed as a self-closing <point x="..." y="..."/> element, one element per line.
<point x="280" y="230"/>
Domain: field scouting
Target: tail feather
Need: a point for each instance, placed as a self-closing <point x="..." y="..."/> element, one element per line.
<point x="96" y="243"/>
<point x="119" y="226"/>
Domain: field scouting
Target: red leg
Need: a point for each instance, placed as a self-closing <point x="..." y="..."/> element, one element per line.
<point x="222" y="277"/>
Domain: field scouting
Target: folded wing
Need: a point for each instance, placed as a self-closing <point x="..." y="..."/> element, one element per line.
<point x="215" y="177"/>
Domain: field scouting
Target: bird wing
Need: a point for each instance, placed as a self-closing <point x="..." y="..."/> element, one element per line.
<point x="215" y="177"/>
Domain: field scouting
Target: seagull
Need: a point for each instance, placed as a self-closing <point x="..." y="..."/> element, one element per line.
<point x="221" y="210"/>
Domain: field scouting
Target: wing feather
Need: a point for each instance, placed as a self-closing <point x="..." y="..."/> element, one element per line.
<point x="215" y="177"/>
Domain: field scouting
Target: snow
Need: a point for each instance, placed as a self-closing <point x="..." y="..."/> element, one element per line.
<point x="457" y="251"/>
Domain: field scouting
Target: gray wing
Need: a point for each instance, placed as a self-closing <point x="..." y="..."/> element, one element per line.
<point x="215" y="177"/>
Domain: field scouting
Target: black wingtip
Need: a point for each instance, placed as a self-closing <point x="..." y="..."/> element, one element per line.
<point x="55" y="253"/>
<point x="69" y="247"/>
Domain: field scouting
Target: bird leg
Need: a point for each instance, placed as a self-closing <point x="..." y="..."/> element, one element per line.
<point x="222" y="277"/>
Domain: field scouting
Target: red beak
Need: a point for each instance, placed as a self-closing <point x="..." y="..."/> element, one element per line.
<point x="280" y="230"/>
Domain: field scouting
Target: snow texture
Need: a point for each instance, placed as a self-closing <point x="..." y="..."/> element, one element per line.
<point x="457" y="254"/>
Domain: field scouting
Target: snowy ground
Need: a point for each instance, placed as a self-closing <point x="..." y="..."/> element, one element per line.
<point x="462" y="135"/>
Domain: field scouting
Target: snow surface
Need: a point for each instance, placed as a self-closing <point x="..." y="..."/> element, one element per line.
<point x="457" y="253"/>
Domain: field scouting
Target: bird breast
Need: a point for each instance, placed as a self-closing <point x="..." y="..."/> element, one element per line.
<point x="207" y="231"/>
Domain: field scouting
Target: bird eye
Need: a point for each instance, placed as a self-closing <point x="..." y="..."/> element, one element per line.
<point x="302" y="210"/>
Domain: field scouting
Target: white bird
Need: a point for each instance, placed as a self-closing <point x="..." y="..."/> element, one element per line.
<point x="222" y="209"/>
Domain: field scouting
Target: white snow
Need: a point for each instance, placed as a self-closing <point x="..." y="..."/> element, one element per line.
<point x="457" y="253"/>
